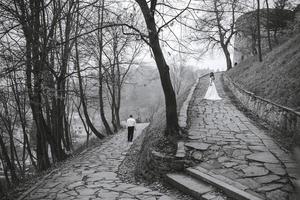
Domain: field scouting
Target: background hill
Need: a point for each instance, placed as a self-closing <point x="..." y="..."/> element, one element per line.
<point x="277" y="78"/>
<point x="142" y="93"/>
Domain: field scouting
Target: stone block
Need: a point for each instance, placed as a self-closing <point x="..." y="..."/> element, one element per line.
<point x="197" y="145"/>
<point x="265" y="157"/>
<point x="275" y="168"/>
<point x="269" y="187"/>
<point x="277" y="195"/>
<point x="230" y="190"/>
<point x="187" y="184"/>
<point x="253" y="171"/>
<point x="267" y="179"/>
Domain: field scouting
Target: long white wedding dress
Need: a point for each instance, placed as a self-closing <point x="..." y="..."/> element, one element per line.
<point x="211" y="93"/>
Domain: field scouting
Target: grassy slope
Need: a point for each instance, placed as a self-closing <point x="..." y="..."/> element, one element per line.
<point x="277" y="78"/>
<point x="154" y="139"/>
<point x="154" y="134"/>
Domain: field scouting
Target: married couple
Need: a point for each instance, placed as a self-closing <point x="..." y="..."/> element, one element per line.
<point x="211" y="93"/>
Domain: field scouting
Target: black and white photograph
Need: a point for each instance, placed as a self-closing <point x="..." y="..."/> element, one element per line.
<point x="149" y="99"/>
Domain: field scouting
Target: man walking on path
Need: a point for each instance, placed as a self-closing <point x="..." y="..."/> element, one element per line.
<point x="131" y="127"/>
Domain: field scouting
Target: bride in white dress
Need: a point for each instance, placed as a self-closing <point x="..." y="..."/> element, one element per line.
<point x="211" y="93"/>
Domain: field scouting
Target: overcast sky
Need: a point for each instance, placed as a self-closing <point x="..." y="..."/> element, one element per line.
<point x="212" y="59"/>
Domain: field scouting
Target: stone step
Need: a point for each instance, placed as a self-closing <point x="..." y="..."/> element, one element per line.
<point x="196" y="188"/>
<point x="229" y="189"/>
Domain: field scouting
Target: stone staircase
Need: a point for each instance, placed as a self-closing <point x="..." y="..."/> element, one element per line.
<point x="203" y="184"/>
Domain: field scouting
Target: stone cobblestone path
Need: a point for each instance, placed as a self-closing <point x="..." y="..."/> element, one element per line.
<point x="235" y="150"/>
<point x="93" y="175"/>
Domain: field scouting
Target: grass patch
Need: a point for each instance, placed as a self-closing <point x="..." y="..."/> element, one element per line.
<point x="155" y="139"/>
<point x="277" y="78"/>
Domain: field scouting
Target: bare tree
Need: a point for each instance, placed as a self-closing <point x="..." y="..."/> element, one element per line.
<point x="42" y="33"/>
<point x="258" y="31"/>
<point x="101" y="66"/>
<point x="279" y="17"/>
<point x="120" y="53"/>
<point x="39" y="31"/>
<point x="149" y="10"/>
<point x="77" y="64"/>
<point x="215" y="24"/>
<point x="268" y="25"/>
<point x="6" y="136"/>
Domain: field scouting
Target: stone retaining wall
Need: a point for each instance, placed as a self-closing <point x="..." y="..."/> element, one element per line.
<point x="280" y="117"/>
<point x="158" y="163"/>
<point x="162" y="163"/>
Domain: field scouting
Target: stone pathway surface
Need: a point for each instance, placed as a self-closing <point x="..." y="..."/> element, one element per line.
<point x="232" y="147"/>
<point x="93" y="175"/>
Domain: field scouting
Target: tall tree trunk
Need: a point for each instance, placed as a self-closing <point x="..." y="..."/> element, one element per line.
<point x="118" y="95"/>
<point x="42" y="144"/>
<point x="60" y="111"/>
<point x="170" y="98"/>
<point x="113" y="116"/>
<point x="8" y="182"/>
<point x="82" y="96"/>
<point x="61" y="81"/>
<point x="22" y="117"/>
<point x="227" y="56"/>
<point x="100" y="79"/>
<point x="258" y="32"/>
<point x="35" y="96"/>
<point x="8" y="162"/>
<point x="268" y="25"/>
<point x="86" y="128"/>
<point x="67" y="135"/>
<point x="101" y="102"/>
<point x="17" y="159"/>
<point x="67" y="115"/>
<point x="42" y="149"/>
<point x="118" y="105"/>
<point x="68" y="122"/>
<point x="172" y="128"/>
<point x="113" y="86"/>
<point x="223" y="42"/>
<point x="2" y="188"/>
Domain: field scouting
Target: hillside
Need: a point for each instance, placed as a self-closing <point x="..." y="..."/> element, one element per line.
<point x="277" y="78"/>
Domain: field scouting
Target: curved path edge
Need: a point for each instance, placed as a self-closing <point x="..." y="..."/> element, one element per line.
<point x="93" y="175"/>
<point x="234" y="149"/>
